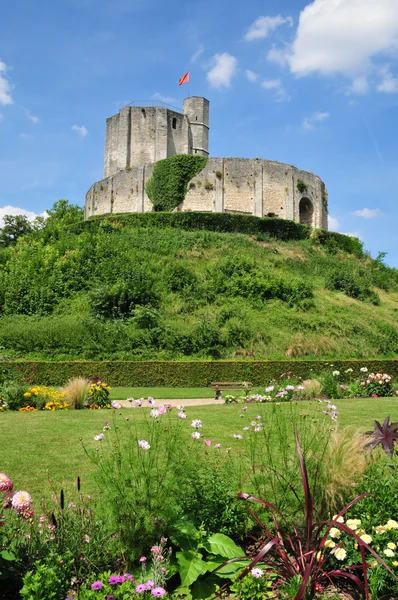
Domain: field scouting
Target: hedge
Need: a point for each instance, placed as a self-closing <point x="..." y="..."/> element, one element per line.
<point x="280" y="229"/>
<point x="182" y="374"/>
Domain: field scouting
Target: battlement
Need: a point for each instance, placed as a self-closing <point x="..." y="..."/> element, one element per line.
<point x="141" y="135"/>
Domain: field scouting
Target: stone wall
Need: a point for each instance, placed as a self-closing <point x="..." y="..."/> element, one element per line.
<point x="236" y="185"/>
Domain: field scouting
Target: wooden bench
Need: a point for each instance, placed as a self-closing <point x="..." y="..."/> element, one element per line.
<point x="218" y="386"/>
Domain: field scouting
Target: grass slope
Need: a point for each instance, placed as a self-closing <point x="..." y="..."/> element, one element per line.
<point x="46" y="446"/>
<point x="122" y="292"/>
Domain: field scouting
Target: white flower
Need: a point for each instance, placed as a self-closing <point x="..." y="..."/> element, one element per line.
<point x="181" y="414"/>
<point x="388" y="552"/>
<point x="330" y="544"/>
<point x="99" y="437"/>
<point x="257" y="429"/>
<point x="340" y="554"/>
<point x="115" y="405"/>
<point x="162" y="410"/>
<point x="257" y="572"/>
<point x="339" y="520"/>
<point x="353" y="523"/>
<point x="367" y="538"/>
<point x="180" y="407"/>
<point x="334" y="533"/>
<point x="289" y="388"/>
<point x="392" y="546"/>
<point x="392" y="524"/>
<point x="154" y="413"/>
<point x="349" y="371"/>
<point x="197" y="423"/>
<point x="237" y="436"/>
<point x="380" y="529"/>
<point x="269" y="389"/>
<point x="336" y="373"/>
<point x="195" y="435"/>
<point x="363" y="369"/>
<point x="143" y="444"/>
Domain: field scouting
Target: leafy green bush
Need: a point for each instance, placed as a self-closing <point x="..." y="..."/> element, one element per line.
<point x="168" y="185"/>
<point x="352" y="286"/>
<point x="121" y="298"/>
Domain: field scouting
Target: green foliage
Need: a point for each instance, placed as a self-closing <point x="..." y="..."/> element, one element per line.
<point x="168" y="185"/>
<point x="14" y="227"/>
<point x="352" y="286"/>
<point x="48" y="580"/>
<point x="301" y="186"/>
<point x="255" y="588"/>
<point x="12" y="393"/>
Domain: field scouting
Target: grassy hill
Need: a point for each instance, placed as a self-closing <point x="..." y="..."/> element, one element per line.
<point x="113" y="290"/>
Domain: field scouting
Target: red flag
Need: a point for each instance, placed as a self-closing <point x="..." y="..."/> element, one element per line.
<point x="184" y="79"/>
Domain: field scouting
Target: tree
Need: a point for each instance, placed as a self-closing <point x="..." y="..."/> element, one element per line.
<point x="61" y="216"/>
<point x="14" y="227"/>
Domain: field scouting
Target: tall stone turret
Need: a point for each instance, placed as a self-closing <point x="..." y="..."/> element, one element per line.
<point x="196" y="109"/>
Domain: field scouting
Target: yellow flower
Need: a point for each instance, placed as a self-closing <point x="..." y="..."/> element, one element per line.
<point x="392" y="524"/>
<point x="388" y="552"/>
<point x="318" y="555"/>
<point x="366" y="538"/>
<point x="330" y="544"/>
<point x="391" y="545"/>
<point x="395" y="563"/>
<point x="27" y="395"/>
<point x="373" y="564"/>
<point x="334" y="533"/>
<point x="340" y="554"/>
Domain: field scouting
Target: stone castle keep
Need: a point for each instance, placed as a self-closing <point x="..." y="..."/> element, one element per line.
<point x="137" y="137"/>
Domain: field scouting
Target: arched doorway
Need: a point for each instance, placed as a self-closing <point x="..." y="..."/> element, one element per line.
<point x="306" y="211"/>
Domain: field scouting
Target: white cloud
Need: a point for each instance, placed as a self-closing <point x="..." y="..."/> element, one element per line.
<point x="333" y="223"/>
<point x="251" y="76"/>
<point x="281" y="94"/>
<point x="165" y="99"/>
<point x="223" y="69"/>
<point x="14" y="211"/>
<point x="263" y="26"/>
<point x="278" y="56"/>
<point x="197" y="54"/>
<point x="32" y="117"/>
<point x="367" y="213"/>
<point x="5" y="90"/>
<point x="388" y="83"/>
<point x="81" y="130"/>
<point x="343" y="37"/>
<point x="309" y="123"/>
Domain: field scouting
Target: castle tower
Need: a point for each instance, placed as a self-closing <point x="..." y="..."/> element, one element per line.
<point x="196" y="109"/>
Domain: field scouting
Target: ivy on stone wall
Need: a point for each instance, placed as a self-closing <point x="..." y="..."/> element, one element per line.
<point x="168" y="185"/>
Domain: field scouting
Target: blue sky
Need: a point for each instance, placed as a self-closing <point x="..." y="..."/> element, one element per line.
<point x="314" y="84"/>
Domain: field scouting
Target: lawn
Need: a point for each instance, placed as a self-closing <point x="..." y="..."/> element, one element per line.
<point x="42" y="446"/>
<point x="165" y="393"/>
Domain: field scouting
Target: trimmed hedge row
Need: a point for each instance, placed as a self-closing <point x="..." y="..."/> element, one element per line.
<point x="280" y="229"/>
<point x="182" y="374"/>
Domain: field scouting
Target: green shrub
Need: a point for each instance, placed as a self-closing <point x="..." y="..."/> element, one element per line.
<point x="13" y="394"/>
<point x="121" y="298"/>
<point x="352" y="286"/>
<point x="168" y="185"/>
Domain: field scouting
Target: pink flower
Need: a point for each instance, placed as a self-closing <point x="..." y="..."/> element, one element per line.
<point x="52" y="536"/>
<point x="158" y="592"/>
<point x="99" y="437"/>
<point x="217" y="446"/>
<point x="21" y="501"/>
<point x="151" y="401"/>
<point x="237" y="436"/>
<point x="138" y="403"/>
<point x="197" y="423"/>
<point x="244" y="407"/>
<point x="156" y="550"/>
<point x="150" y="584"/>
<point x="181" y="414"/>
<point x="162" y="410"/>
<point x="143" y="444"/>
<point x="195" y="435"/>
<point x="207" y="442"/>
<point x="116" y="405"/>
<point x="97" y="585"/>
<point x="143" y="559"/>
<point x="141" y="587"/>
<point x="5" y="483"/>
<point x="86" y="539"/>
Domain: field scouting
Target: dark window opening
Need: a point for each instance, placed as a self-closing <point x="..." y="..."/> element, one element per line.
<point x="143" y="112"/>
<point x="306" y="212"/>
<point x="174" y="123"/>
<point x="196" y="118"/>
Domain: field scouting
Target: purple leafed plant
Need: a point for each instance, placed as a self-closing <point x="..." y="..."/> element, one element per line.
<point x="302" y="553"/>
<point x="385" y="435"/>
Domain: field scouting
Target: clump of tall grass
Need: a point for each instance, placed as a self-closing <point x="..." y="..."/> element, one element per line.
<point x="76" y="391"/>
<point x="312" y="388"/>
<point x="344" y="463"/>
